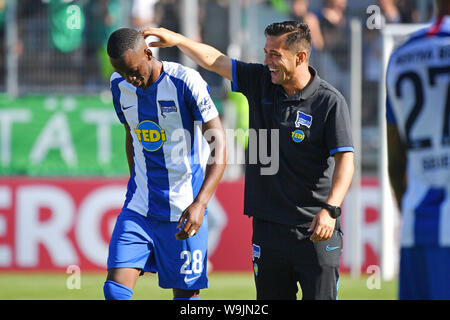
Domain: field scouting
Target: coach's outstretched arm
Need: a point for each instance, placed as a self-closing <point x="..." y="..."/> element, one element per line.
<point x="204" y="55"/>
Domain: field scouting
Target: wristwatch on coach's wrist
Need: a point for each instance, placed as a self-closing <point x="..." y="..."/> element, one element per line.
<point x="335" y="212"/>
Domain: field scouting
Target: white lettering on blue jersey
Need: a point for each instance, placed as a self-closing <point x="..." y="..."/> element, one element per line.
<point x="169" y="150"/>
<point x="418" y="102"/>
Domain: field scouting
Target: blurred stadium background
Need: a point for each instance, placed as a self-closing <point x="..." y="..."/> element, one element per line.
<point x="63" y="169"/>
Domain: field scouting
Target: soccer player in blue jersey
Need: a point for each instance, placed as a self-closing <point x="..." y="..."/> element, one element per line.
<point x="418" y="131"/>
<point x="175" y="145"/>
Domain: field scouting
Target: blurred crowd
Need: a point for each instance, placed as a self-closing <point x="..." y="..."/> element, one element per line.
<point x="51" y="54"/>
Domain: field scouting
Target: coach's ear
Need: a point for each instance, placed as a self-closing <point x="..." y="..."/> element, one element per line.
<point x="148" y="53"/>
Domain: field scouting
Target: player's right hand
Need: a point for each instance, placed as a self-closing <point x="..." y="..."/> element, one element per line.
<point x="166" y="37"/>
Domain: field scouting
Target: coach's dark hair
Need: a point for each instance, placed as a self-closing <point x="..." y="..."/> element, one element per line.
<point x="122" y="40"/>
<point x="298" y="34"/>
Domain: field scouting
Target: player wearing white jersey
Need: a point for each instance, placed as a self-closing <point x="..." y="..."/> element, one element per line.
<point x="167" y="113"/>
<point x="418" y="117"/>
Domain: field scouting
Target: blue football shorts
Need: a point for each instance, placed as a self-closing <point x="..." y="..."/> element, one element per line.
<point x="150" y="245"/>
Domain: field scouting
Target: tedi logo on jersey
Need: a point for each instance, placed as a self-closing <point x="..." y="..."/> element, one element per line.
<point x="151" y="135"/>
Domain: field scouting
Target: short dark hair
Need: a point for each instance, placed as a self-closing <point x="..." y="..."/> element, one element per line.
<point x="122" y="40"/>
<point x="299" y="35"/>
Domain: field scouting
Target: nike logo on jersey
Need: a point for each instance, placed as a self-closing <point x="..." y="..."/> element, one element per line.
<point x="125" y="108"/>
<point x="187" y="279"/>
<point x="328" y="248"/>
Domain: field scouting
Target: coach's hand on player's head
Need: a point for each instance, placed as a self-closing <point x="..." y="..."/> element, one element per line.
<point x="322" y="226"/>
<point x="166" y="38"/>
<point x="190" y="221"/>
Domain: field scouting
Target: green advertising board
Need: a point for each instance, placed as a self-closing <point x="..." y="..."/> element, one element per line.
<point x="61" y="135"/>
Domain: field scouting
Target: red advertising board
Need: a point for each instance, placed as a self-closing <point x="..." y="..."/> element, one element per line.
<point x="51" y="223"/>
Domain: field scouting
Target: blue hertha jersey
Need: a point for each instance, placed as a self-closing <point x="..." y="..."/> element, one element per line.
<point x="418" y="103"/>
<point x="169" y="150"/>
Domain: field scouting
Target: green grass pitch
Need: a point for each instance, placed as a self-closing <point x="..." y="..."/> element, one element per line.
<point x="222" y="286"/>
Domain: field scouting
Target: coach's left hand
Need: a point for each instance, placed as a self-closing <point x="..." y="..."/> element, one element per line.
<point x="167" y="38"/>
<point x="192" y="218"/>
<point x="322" y="226"/>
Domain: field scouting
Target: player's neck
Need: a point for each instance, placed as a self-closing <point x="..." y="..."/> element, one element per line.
<point x="299" y="82"/>
<point x="157" y="69"/>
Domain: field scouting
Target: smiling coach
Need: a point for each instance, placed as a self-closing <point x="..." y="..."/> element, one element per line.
<point x="296" y="224"/>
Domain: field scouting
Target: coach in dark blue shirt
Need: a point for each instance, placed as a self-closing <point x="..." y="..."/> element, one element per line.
<point x="296" y="208"/>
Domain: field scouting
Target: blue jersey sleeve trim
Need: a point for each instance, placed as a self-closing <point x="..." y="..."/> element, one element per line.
<point x="342" y="149"/>
<point x="234" y="86"/>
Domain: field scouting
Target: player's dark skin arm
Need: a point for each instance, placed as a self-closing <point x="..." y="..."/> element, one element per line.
<point x="396" y="163"/>
<point x="192" y="217"/>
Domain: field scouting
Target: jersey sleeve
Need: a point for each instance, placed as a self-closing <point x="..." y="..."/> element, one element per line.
<point x="199" y="99"/>
<point x="338" y="132"/>
<point x="115" y="91"/>
<point x="246" y="76"/>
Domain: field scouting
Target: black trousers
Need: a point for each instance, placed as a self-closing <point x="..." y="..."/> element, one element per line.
<point x="284" y="256"/>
